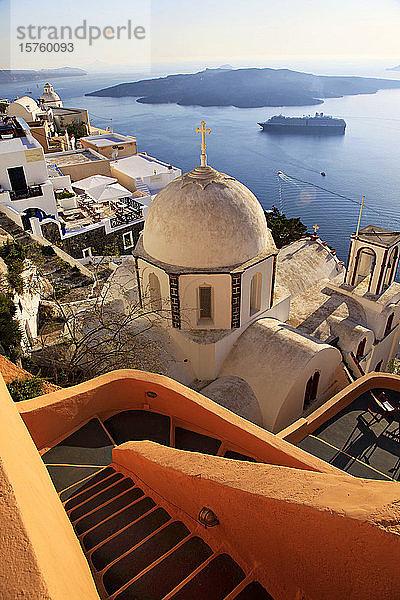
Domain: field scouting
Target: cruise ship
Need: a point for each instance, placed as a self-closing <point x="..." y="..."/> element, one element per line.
<point x="320" y="123"/>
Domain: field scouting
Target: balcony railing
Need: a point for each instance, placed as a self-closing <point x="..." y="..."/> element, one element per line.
<point x="30" y="192"/>
<point x="126" y="218"/>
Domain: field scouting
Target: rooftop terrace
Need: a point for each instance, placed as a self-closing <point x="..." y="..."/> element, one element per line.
<point x="68" y="158"/>
<point x="362" y="439"/>
<point x="108" y="139"/>
<point x="88" y="211"/>
<point x="141" y="165"/>
<point x="16" y="133"/>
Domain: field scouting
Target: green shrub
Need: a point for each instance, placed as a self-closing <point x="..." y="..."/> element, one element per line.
<point x="47" y="250"/>
<point x="10" y="332"/>
<point x="77" y="129"/>
<point x="393" y="366"/>
<point x="62" y="195"/>
<point x="24" y="389"/>
<point x="14" y="255"/>
<point x="284" y="230"/>
<point x="15" y="282"/>
<point x="59" y="293"/>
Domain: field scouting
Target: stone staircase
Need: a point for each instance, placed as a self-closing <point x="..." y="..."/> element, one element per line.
<point x="136" y="548"/>
<point x="137" y="551"/>
<point x="142" y="187"/>
<point x="12" y="228"/>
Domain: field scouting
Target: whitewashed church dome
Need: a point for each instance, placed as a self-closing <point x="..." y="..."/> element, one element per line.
<point x="206" y="219"/>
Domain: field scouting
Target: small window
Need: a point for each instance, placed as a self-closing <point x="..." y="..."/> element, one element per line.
<point x="389" y="324"/>
<point x="391" y="268"/>
<point x="127" y="239"/>
<point x="311" y="389"/>
<point x="255" y="293"/>
<point x="361" y="349"/>
<point x="155" y="292"/>
<point x="205" y="303"/>
<point x="87" y="253"/>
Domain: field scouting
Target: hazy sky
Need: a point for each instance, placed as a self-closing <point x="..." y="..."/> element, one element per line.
<point x="214" y="30"/>
<point x="258" y="29"/>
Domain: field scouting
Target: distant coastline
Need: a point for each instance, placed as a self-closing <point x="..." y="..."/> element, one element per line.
<point x="245" y="88"/>
<point x="9" y="76"/>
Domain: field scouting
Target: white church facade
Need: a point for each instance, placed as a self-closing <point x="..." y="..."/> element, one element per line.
<point x="266" y="333"/>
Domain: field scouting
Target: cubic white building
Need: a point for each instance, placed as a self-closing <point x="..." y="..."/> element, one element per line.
<point x="25" y="188"/>
<point x="144" y="173"/>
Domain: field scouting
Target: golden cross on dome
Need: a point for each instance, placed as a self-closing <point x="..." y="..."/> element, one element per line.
<point x="315" y="229"/>
<point x="203" y="130"/>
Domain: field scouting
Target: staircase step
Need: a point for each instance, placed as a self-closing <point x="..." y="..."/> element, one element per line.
<point x="138" y="425"/>
<point x="116" y="522"/>
<point x="104" y="512"/>
<point x="214" y="582"/>
<point x="142" y="553"/>
<point x="166" y="575"/>
<point x="128" y="538"/>
<point x="101" y="498"/>
<point x="91" y="492"/>
<point x="81" y="486"/>
<point x="195" y="442"/>
<point x="254" y="591"/>
<point x="136" y="561"/>
<point x="65" y="476"/>
<point x="90" y="445"/>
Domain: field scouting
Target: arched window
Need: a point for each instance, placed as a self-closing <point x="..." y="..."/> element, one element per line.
<point x="155" y="292"/>
<point x="255" y="293"/>
<point x="389" y="324"/>
<point x="391" y="267"/>
<point x="361" y="349"/>
<point x="364" y="265"/>
<point x="311" y="389"/>
<point x="379" y="366"/>
<point x="205" y="303"/>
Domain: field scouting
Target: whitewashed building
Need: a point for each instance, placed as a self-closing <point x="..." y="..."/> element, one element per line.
<point x="144" y="173"/>
<point x="25" y="187"/>
<point x="268" y="334"/>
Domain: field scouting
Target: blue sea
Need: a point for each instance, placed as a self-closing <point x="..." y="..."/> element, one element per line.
<point x="365" y="161"/>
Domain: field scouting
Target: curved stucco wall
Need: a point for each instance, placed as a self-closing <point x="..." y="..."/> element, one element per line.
<point x="303" y="535"/>
<point x="350" y="334"/>
<point x="236" y="395"/>
<point x="40" y="556"/>
<point x="52" y="417"/>
<point x="277" y="361"/>
<point x="205" y="224"/>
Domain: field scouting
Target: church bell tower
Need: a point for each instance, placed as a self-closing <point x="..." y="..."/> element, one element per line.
<point x="373" y="258"/>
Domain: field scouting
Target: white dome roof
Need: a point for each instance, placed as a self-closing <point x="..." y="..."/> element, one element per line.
<point x="49" y="94"/>
<point x="27" y="102"/>
<point x="206" y="219"/>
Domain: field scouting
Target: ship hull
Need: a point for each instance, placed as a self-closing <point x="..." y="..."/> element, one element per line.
<point x="304" y="129"/>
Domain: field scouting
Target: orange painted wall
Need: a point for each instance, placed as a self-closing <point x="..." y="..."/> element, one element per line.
<point x="305" y="535"/>
<point x="306" y="425"/>
<point x="51" y="417"/>
<point x="40" y="557"/>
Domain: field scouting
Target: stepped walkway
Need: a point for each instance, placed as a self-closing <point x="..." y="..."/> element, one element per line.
<point x="136" y="548"/>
